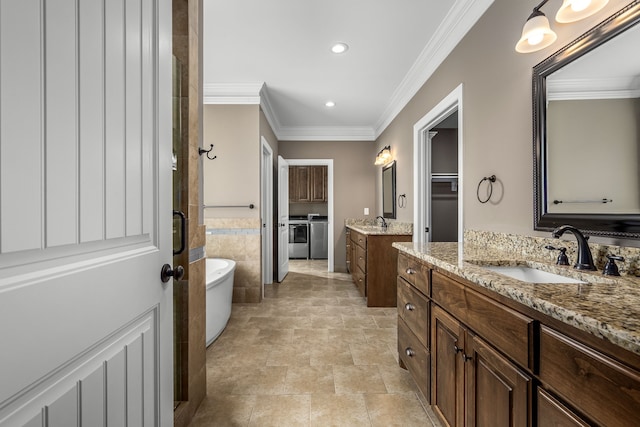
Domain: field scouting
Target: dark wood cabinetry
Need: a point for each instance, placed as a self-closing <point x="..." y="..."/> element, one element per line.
<point x="373" y="266"/>
<point x="307" y="184"/>
<point x="604" y="389"/>
<point x="483" y="359"/>
<point x="472" y="383"/>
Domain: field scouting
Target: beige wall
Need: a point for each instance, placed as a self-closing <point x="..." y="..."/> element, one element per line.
<point x="497" y="122"/>
<point x="233" y="178"/>
<point x="354" y="176"/>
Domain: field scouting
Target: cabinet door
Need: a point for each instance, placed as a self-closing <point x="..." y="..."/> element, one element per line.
<point x="293" y="184"/>
<point x="497" y="392"/>
<point x="299" y="184"/>
<point x="447" y="367"/>
<point x="318" y="183"/>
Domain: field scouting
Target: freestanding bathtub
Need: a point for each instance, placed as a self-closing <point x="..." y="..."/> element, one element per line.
<point x="219" y="294"/>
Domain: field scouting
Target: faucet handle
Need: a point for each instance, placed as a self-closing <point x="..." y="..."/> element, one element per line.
<point x="563" y="259"/>
<point x="610" y="268"/>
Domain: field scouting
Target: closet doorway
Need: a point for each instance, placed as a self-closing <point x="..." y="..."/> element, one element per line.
<point x="438" y="152"/>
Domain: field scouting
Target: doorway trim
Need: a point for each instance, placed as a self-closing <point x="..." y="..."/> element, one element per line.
<point x="266" y="212"/>
<point x="330" y="237"/>
<point x="422" y="162"/>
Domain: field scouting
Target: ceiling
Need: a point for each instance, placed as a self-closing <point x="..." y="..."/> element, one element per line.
<point x="277" y="53"/>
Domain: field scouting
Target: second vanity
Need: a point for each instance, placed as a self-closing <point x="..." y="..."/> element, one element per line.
<point x="487" y="349"/>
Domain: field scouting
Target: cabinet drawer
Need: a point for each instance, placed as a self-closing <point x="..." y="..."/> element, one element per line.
<point x="603" y="389"/>
<point x="415" y="357"/>
<point x="360" y="279"/>
<point x="552" y="412"/>
<point x="413" y="308"/>
<point x="506" y="329"/>
<point x="414" y="272"/>
<point x="359" y="239"/>
<point x="361" y="258"/>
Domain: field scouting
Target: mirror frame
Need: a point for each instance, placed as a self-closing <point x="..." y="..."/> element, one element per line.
<point x="392" y="166"/>
<point x="609" y="225"/>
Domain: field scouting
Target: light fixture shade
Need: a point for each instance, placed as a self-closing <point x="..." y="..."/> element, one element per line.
<point x="384" y="156"/>
<point x="575" y="10"/>
<point x="536" y="34"/>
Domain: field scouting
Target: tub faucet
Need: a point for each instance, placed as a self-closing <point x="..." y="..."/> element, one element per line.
<point x="384" y="223"/>
<point x="585" y="260"/>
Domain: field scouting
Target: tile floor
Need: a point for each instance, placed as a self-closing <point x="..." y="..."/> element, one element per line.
<point x="311" y="354"/>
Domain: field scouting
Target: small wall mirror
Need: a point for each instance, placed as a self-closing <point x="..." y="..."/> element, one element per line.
<point x="586" y="122"/>
<point x="389" y="190"/>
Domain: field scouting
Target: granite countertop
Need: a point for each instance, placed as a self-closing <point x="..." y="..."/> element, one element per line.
<point x="392" y="229"/>
<point x="607" y="307"/>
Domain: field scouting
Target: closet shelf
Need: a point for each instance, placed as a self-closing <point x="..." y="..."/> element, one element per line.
<point x="444" y="177"/>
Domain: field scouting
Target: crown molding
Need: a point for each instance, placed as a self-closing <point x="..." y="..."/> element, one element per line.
<point x="461" y="17"/>
<point x="233" y="93"/>
<point x="326" y="133"/>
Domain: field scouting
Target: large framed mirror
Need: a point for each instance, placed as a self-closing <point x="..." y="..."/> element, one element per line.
<point x="389" y="190"/>
<point x="586" y="125"/>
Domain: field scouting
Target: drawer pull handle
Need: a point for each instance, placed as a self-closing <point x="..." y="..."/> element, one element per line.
<point x="409" y="307"/>
<point x="410" y="271"/>
<point x="409" y="352"/>
<point x="456" y="348"/>
<point x="466" y="358"/>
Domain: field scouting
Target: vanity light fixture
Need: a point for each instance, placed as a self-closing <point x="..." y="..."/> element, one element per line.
<point x="339" y="48"/>
<point x="575" y="10"/>
<point x="537" y="34"/>
<point x="384" y="156"/>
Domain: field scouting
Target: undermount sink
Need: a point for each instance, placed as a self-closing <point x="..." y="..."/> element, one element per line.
<point x="530" y="275"/>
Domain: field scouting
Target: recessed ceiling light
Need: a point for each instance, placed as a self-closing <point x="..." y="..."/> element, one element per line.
<point x="330" y="104"/>
<point x="339" y="48"/>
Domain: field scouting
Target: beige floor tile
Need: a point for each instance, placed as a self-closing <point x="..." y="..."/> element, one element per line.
<point x="332" y="354"/>
<point x="224" y="411"/>
<point x="381" y="336"/>
<point x="371" y="354"/>
<point x="312" y="353"/>
<point x="358" y="379"/>
<point x="280" y="411"/>
<point x="273" y="337"/>
<point x="397" y="380"/>
<point x="290" y="355"/>
<point x="328" y="321"/>
<point x="348" y="336"/>
<point x="344" y="410"/>
<point x="268" y="380"/>
<point x="362" y="322"/>
<point x="309" y="379"/>
<point x="391" y="410"/>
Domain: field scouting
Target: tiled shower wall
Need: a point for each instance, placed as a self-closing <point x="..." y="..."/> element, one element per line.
<point x="238" y="239"/>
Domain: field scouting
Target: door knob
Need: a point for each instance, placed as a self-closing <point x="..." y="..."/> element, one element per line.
<point x="167" y="272"/>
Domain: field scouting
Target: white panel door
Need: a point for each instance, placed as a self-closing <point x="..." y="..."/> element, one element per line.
<point x="85" y="213"/>
<point x="283" y="218"/>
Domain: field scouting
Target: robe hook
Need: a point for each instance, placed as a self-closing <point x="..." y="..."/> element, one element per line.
<point x="201" y="151"/>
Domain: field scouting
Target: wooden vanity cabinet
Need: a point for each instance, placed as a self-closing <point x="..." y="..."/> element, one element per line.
<point x="373" y="266"/>
<point x="494" y="361"/>
<point x="472" y="382"/>
<point x="414" y="321"/>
